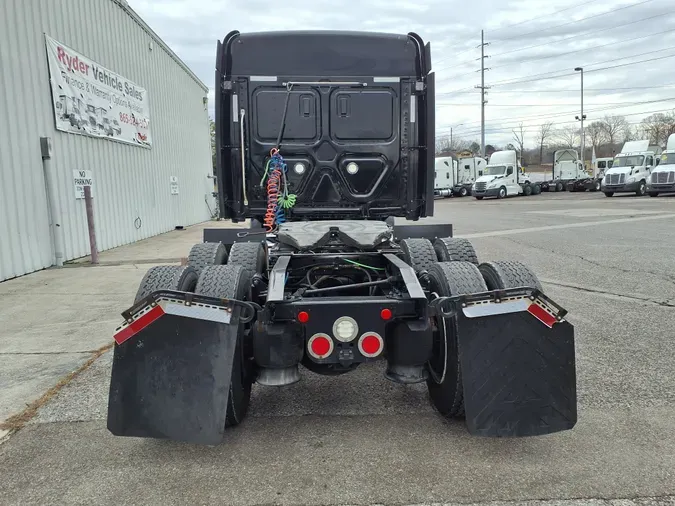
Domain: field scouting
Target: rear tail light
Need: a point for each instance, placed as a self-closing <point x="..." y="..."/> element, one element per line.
<point x="371" y="344"/>
<point x="320" y="346"/>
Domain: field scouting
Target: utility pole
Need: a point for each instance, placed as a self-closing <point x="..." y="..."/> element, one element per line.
<point x="482" y="91"/>
<point x="582" y="118"/>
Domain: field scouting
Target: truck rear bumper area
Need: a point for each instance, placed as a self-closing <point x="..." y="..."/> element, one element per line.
<point x="175" y="355"/>
<point x="619" y="188"/>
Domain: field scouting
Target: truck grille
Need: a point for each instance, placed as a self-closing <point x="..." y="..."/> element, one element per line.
<point x="615" y="178"/>
<point x="664" y="177"/>
<point x="481" y="186"/>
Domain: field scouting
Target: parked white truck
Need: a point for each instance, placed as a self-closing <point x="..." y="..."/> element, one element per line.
<point x="631" y="169"/>
<point x="662" y="179"/>
<point x="444" y="176"/>
<point x="469" y="168"/>
<point x="502" y="178"/>
<point x="568" y="172"/>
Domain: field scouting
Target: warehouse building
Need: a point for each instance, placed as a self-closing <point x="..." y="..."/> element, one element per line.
<point x="92" y="97"/>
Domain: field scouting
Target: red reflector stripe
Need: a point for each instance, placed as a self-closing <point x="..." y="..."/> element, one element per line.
<point x="134" y="328"/>
<point x="542" y="315"/>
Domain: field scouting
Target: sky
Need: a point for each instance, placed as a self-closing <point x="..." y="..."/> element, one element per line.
<point x="533" y="49"/>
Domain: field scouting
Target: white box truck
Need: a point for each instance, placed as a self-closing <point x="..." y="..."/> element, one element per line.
<point x="662" y="178"/>
<point x="502" y="178"/>
<point x="469" y="168"/>
<point x="444" y="176"/>
<point x="631" y="169"/>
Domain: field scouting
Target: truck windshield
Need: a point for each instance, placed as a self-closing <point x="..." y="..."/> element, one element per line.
<point x="495" y="170"/>
<point x="628" y="161"/>
<point x="667" y="159"/>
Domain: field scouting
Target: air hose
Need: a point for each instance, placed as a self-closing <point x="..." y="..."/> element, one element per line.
<point x="278" y="198"/>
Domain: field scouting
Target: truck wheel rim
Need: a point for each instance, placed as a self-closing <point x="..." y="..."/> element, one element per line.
<point x="442" y="332"/>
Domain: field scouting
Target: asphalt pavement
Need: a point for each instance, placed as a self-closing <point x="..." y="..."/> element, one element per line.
<point x="359" y="439"/>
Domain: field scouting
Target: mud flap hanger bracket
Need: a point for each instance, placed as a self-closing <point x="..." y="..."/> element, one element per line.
<point x="246" y="316"/>
<point x="498" y="302"/>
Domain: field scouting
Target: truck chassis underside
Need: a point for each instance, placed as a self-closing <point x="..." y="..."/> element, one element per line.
<point x="490" y="345"/>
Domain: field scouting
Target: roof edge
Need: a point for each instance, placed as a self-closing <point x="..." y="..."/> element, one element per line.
<point x="124" y="5"/>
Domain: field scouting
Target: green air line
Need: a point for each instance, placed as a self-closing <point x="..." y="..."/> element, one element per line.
<point x="267" y="168"/>
<point x="363" y="265"/>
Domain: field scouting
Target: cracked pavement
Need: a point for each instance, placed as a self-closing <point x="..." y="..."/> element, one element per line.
<point x="359" y="439"/>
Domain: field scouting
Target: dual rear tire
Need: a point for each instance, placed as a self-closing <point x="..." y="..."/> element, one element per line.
<point x="459" y="278"/>
<point x="207" y="275"/>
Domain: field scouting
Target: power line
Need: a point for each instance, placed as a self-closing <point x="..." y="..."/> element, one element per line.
<point x="570" y="90"/>
<point x="577" y="20"/>
<point x="528" y="105"/>
<point x="543" y="16"/>
<point x="515" y="121"/>
<point x="537" y="58"/>
<point x="557" y="115"/>
<point x="527" y="128"/>
<point x="512" y="81"/>
<point x="530" y="79"/>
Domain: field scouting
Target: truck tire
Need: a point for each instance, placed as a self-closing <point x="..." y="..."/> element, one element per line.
<point x="463" y="192"/>
<point x="182" y="278"/>
<point x="419" y="253"/>
<point x="609" y="194"/>
<point x="207" y="253"/>
<point x="597" y="186"/>
<point x="508" y="274"/>
<point x="559" y="187"/>
<point x="232" y="282"/>
<point x="445" y="374"/>
<point x="642" y="189"/>
<point x="502" y="193"/>
<point x="455" y="249"/>
<point x="250" y="255"/>
<point x="479" y="197"/>
<point x="536" y="189"/>
<point x="653" y="194"/>
<point x="527" y="190"/>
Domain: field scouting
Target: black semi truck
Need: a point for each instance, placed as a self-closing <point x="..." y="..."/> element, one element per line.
<point x="323" y="140"/>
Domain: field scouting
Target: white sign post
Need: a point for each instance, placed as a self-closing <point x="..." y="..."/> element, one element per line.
<point x="92" y="100"/>
<point x="82" y="178"/>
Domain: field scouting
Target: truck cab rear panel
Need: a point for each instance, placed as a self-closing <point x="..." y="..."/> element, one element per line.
<point x="353" y="130"/>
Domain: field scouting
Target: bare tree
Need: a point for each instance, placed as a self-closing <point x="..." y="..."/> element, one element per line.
<point x="519" y="138"/>
<point x="658" y="127"/>
<point x="543" y="135"/>
<point x="443" y="145"/>
<point x="596" y="133"/>
<point x="614" y="126"/>
<point x="568" y="137"/>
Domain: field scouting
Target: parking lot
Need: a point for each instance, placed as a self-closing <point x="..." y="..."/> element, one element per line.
<point x="359" y="439"/>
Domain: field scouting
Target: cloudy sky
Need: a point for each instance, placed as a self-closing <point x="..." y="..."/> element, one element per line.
<point x="626" y="47"/>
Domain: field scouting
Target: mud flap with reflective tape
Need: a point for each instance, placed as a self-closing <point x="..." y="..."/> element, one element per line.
<point x="518" y="364"/>
<point x="172" y="366"/>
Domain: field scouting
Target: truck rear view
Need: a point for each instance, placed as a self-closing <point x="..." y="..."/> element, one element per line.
<point x="322" y="138"/>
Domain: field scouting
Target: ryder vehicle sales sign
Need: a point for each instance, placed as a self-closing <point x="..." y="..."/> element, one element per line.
<point x="92" y="100"/>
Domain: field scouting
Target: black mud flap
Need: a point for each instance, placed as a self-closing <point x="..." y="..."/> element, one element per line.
<point x="518" y="364"/>
<point x="171" y="369"/>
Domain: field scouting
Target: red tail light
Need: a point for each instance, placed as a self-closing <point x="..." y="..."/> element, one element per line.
<point x="320" y="346"/>
<point x="386" y="314"/>
<point x="371" y="344"/>
<point x="303" y="316"/>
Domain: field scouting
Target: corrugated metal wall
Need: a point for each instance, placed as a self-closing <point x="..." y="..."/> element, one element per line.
<point x="129" y="182"/>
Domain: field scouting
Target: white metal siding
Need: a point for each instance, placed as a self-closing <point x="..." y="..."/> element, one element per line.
<point x="129" y="182"/>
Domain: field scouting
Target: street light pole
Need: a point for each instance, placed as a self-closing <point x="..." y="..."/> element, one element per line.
<point x="583" y="137"/>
